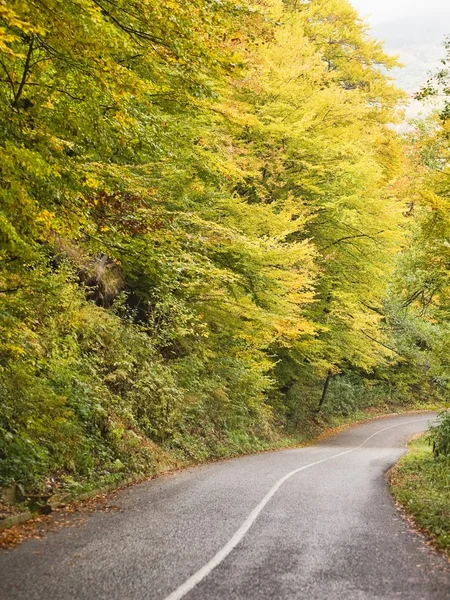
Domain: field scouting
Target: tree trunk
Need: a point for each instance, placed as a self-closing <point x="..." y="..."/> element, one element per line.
<point x="324" y="391"/>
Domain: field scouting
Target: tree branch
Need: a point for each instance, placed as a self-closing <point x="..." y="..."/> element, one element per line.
<point x="12" y="290"/>
<point x="9" y="80"/>
<point x="351" y="237"/>
<point x="380" y="343"/>
<point x="373" y="308"/>
<point x="26" y="70"/>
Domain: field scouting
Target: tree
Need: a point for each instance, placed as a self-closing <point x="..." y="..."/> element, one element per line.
<point x="198" y="218"/>
<point x="324" y="109"/>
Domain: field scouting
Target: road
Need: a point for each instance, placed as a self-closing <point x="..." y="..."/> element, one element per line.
<point x="309" y="523"/>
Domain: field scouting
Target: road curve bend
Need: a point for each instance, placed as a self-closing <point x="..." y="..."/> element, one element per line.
<point x="308" y="523"/>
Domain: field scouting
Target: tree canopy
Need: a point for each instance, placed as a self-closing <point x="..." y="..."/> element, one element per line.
<point x="205" y="215"/>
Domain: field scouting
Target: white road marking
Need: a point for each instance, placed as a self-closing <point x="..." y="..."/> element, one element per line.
<point x="197" y="577"/>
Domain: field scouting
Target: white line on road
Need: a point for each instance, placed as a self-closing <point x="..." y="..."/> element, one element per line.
<point x="197" y="577"/>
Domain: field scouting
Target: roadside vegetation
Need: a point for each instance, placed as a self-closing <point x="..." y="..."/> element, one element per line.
<point x="211" y="236"/>
<point x="420" y="483"/>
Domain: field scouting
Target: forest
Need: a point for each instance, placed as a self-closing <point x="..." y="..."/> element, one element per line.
<point x="215" y="232"/>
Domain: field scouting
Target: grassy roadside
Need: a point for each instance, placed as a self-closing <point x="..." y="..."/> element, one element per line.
<point x="321" y="427"/>
<point x="312" y="430"/>
<point x="420" y="484"/>
<point x="88" y="499"/>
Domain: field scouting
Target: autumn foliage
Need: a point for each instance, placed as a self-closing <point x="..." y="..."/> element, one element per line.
<point x="202" y="206"/>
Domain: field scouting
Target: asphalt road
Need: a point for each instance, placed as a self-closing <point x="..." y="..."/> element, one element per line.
<point x="309" y="523"/>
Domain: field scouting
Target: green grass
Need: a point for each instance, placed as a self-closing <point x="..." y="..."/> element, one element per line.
<point x="311" y="431"/>
<point x="420" y="483"/>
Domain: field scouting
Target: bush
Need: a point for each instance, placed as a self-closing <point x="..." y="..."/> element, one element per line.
<point x="439" y="435"/>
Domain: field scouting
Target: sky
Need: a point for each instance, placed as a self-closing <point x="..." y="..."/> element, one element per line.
<point x="414" y="30"/>
<point x="381" y="11"/>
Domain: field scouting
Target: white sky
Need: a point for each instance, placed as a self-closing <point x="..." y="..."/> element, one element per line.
<point x="420" y="54"/>
<point x="379" y="11"/>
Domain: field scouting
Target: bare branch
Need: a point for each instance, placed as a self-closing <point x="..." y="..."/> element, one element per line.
<point x="373" y="308"/>
<point x="380" y="343"/>
<point x="351" y="237"/>
<point x="26" y="70"/>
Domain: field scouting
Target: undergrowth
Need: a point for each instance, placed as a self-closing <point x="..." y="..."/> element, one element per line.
<point x="420" y="483"/>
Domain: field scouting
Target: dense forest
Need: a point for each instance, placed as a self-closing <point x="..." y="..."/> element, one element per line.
<point x="212" y="234"/>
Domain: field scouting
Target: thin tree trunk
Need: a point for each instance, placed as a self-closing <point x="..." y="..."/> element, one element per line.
<point x="26" y="70"/>
<point x="324" y="391"/>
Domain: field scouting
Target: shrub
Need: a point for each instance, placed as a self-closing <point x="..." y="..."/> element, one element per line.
<point x="439" y="435"/>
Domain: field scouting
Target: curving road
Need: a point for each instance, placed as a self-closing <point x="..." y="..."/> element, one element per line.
<point x="310" y="523"/>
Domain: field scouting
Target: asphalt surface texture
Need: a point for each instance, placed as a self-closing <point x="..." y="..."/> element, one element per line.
<point x="308" y="523"/>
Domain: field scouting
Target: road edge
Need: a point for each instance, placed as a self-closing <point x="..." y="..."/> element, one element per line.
<point x="401" y="502"/>
<point x="27" y="516"/>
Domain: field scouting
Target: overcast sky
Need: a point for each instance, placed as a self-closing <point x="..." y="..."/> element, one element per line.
<point x="379" y="11"/>
<point x="412" y="29"/>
